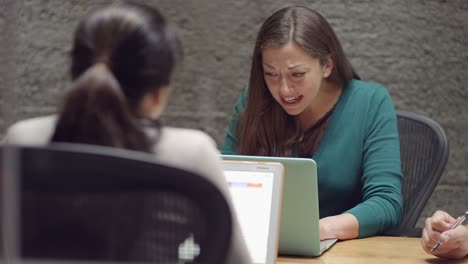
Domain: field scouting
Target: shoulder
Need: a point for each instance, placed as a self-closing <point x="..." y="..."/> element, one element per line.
<point x="187" y="137"/>
<point x="34" y="131"/>
<point x="241" y="101"/>
<point x="367" y="91"/>
<point x="366" y="104"/>
<point x="367" y="97"/>
<point x="189" y="149"/>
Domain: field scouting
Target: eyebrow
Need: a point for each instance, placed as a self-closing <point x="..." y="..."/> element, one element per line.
<point x="289" y="68"/>
<point x="269" y="66"/>
<point x="294" y="66"/>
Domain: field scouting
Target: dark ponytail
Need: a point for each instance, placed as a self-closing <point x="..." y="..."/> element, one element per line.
<point x="121" y="53"/>
<point x="95" y="112"/>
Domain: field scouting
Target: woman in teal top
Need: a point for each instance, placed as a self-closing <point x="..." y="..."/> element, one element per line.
<point x="305" y="100"/>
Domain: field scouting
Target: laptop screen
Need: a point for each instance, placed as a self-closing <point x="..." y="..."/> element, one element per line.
<point x="253" y="195"/>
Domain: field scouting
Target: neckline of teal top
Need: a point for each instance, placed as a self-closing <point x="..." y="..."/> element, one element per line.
<point x="333" y="119"/>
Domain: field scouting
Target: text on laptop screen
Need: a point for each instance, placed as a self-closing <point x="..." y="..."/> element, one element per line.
<point x="252" y="192"/>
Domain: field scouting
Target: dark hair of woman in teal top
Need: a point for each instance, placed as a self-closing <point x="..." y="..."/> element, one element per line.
<point x="279" y="104"/>
<point x="122" y="59"/>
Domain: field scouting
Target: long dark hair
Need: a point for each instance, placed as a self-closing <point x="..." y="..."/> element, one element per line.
<point x="265" y="128"/>
<point x="120" y="53"/>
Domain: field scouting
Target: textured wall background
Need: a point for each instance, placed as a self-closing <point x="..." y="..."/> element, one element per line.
<point x="418" y="49"/>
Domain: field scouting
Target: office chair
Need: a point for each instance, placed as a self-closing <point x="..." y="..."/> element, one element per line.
<point x="89" y="203"/>
<point x="424" y="153"/>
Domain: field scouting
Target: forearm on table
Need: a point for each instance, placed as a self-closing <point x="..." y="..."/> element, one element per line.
<point x="343" y="226"/>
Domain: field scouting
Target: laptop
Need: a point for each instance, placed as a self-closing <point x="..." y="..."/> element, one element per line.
<point x="299" y="228"/>
<point x="256" y="189"/>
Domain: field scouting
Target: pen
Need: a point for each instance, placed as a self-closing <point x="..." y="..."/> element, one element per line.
<point x="459" y="222"/>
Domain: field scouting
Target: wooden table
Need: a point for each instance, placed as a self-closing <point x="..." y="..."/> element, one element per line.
<point x="375" y="250"/>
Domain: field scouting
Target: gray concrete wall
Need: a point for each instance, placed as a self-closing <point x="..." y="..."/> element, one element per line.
<point x="418" y="49"/>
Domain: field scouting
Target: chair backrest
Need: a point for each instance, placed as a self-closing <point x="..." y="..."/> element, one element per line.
<point x="424" y="153"/>
<point x="77" y="202"/>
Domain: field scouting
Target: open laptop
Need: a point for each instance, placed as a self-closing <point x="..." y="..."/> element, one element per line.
<point x="256" y="189"/>
<point x="299" y="229"/>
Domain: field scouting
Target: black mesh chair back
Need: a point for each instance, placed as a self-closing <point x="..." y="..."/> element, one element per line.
<point x="101" y="204"/>
<point x="424" y="153"/>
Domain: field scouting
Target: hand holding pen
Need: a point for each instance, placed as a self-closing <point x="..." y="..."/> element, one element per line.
<point x="445" y="236"/>
<point x="460" y="220"/>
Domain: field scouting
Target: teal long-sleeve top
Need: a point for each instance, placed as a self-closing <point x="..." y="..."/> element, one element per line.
<point x="358" y="159"/>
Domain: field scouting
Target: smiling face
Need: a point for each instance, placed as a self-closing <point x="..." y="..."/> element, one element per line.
<point x="293" y="77"/>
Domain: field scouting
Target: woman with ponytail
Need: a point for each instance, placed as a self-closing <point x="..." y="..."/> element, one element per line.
<point x="122" y="60"/>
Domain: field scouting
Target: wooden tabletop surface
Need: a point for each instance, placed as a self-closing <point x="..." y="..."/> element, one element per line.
<point x="375" y="250"/>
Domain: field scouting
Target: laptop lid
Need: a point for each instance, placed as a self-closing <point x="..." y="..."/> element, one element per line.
<point x="299" y="228"/>
<point x="256" y="190"/>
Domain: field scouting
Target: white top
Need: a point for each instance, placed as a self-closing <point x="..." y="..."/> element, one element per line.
<point x="188" y="149"/>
